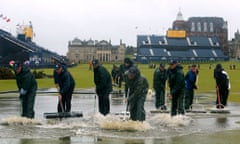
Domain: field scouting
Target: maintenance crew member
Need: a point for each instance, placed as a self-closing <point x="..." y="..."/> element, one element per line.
<point x="222" y="85"/>
<point x="123" y="73"/>
<point x="27" y="86"/>
<point x="138" y="88"/>
<point x="103" y="82"/>
<point x="66" y="85"/>
<point x="177" y="86"/>
<point x="190" y="79"/>
<point x="159" y="83"/>
<point x="114" y="73"/>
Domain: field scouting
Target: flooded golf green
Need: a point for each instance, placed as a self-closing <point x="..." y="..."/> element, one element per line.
<point x="94" y="128"/>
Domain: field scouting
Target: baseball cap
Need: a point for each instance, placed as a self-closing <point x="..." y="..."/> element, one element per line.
<point x="58" y="66"/>
<point x="16" y="65"/>
<point x="133" y="71"/>
<point x="127" y="60"/>
<point x="95" y="62"/>
<point x="173" y="62"/>
<point x="162" y="65"/>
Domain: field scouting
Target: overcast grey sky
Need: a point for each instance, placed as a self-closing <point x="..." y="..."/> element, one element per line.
<point x="55" y="22"/>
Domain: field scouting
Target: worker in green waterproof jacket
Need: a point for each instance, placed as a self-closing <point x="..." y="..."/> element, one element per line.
<point x="177" y="86"/>
<point x="123" y="71"/>
<point x="27" y="86"/>
<point x="159" y="84"/>
<point x="103" y="82"/>
<point x="138" y="88"/>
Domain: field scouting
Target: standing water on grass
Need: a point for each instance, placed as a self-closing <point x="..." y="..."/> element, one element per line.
<point x="114" y="128"/>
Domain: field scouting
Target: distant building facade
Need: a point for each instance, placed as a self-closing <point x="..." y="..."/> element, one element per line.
<point x="234" y="46"/>
<point x="104" y="51"/>
<point x="204" y="26"/>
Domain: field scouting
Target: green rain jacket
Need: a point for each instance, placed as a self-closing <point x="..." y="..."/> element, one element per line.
<point x="102" y="80"/>
<point x="159" y="79"/>
<point x="26" y="80"/>
<point x="138" y="90"/>
<point x="176" y="80"/>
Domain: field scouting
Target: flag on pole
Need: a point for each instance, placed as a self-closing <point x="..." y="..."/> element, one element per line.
<point x="5" y="18"/>
<point x="8" y="20"/>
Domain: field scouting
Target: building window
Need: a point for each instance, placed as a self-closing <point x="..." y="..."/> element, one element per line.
<point x="205" y="27"/>
<point x="193" y="27"/>
<point x="199" y="27"/>
<point x="211" y="27"/>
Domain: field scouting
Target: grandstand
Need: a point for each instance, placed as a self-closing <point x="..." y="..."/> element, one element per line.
<point x="152" y="48"/>
<point x="15" y="48"/>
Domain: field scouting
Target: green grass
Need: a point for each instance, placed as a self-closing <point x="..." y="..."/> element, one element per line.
<point x="84" y="78"/>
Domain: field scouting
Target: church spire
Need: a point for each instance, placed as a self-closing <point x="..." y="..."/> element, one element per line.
<point x="179" y="16"/>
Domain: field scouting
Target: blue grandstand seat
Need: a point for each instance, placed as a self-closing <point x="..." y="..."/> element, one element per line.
<point x="204" y="53"/>
<point x="201" y="41"/>
<point x="159" y="52"/>
<point x="178" y="42"/>
<point x="186" y="53"/>
<point x="145" y="51"/>
<point x="156" y="39"/>
<point x="189" y="48"/>
<point x="141" y="39"/>
<point x="219" y="52"/>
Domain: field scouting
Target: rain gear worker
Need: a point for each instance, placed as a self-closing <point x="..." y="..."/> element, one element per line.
<point x="114" y="73"/>
<point x="138" y="87"/>
<point x="103" y="82"/>
<point x="190" y="79"/>
<point x="27" y="86"/>
<point x="66" y="85"/>
<point x="223" y="85"/>
<point x="159" y="83"/>
<point x="123" y="71"/>
<point x="177" y="86"/>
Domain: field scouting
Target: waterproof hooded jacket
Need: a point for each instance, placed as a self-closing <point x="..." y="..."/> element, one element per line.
<point x="159" y="79"/>
<point x="26" y="80"/>
<point x="176" y="80"/>
<point x="102" y="80"/>
<point x="138" y="87"/>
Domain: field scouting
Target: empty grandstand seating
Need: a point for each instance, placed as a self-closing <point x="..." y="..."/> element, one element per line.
<point x="200" y="41"/>
<point x="204" y="53"/>
<point x="160" y="52"/>
<point x="185" y="54"/>
<point x="145" y="51"/>
<point x="189" y="48"/>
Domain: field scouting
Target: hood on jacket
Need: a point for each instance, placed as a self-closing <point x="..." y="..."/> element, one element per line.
<point x="134" y="71"/>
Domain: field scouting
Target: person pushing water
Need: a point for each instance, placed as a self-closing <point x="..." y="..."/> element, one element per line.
<point x="177" y="86"/>
<point x="138" y="88"/>
<point x="222" y="86"/>
<point x="159" y="84"/>
<point x="27" y="86"/>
